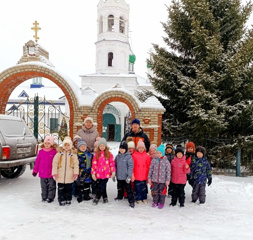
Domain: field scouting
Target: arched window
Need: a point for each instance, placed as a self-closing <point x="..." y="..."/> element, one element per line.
<point x="121" y="25"/>
<point x="111" y="23"/>
<point x="110" y="57"/>
<point x="101" y="24"/>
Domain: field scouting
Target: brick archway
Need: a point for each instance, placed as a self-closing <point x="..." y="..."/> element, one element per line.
<point x="113" y="96"/>
<point x="12" y="77"/>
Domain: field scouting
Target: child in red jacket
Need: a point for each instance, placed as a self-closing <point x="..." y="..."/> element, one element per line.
<point x="140" y="172"/>
<point x="179" y="169"/>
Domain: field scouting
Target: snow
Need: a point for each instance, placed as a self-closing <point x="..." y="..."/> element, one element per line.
<point x="227" y="214"/>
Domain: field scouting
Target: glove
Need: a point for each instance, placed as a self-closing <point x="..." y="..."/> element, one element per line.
<point x="55" y="177"/>
<point x="209" y="182"/>
<point x="167" y="183"/>
<point x="113" y="179"/>
<point x="94" y="177"/>
<point x="75" y="176"/>
<point x="149" y="181"/>
<point x="113" y="175"/>
<point x="128" y="180"/>
<point x="34" y="174"/>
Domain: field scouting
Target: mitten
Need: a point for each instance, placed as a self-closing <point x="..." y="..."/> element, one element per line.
<point x="75" y="176"/>
<point x="94" y="177"/>
<point x="209" y="182"/>
<point x="34" y="174"/>
<point x="167" y="183"/>
<point x="128" y="180"/>
<point x="55" y="177"/>
<point x="113" y="175"/>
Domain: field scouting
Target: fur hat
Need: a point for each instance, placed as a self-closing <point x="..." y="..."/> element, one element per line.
<point x="88" y="119"/>
<point x="102" y="141"/>
<point x="140" y="144"/>
<point x="169" y="145"/>
<point x="49" y="139"/>
<point x="161" y="149"/>
<point x="179" y="149"/>
<point x="123" y="145"/>
<point x="190" y="145"/>
<point x="67" y="140"/>
<point x="81" y="143"/>
<point x="136" y="121"/>
<point x="201" y="149"/>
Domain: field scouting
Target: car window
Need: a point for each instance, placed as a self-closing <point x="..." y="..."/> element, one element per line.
<point x="14" y="128"/>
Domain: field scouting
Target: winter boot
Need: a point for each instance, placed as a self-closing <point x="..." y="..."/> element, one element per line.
<point x="105" y="200"/>
<point x="95" y="201"/>
<point x="68" y="203"/>
<point x="181" y="204"/>
<point x="50" y="200"/>
<point x="62" y="203"/>
<point x="154" y="204"/>
<point x="131" y="205"/>
<point x="160" y="206"/>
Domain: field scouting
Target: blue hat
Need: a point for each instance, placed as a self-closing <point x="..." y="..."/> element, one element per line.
<point x="136" y="121"/>
<point x="161" y="149"/>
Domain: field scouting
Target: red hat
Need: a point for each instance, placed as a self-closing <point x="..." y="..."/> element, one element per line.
<point x="190" y="145"/>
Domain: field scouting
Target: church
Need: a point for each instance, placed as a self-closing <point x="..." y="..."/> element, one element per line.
<point x="110" y="95"/>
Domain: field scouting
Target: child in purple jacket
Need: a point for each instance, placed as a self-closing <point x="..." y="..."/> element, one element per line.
<point x="43" y="166"/>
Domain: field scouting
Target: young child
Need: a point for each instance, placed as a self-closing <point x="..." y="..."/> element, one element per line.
<point x="152" y="150"/>
<point x="190" y="152"/>
<point x="43" y="166"/>
<point x="140" y="173"/>
<point x="130" y="145"/>
<point x="83" y="182"/>
<point x="103" y="168"/>
<point x="65" y="171"/>
<point x="200" y="172"/>
<point x="159" y="175"/>
<point x="179" y="169"/>
<point x="124" y="170"/>
<point x="169" y="152"/>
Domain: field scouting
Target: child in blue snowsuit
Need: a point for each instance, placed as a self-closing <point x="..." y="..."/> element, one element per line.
<point x="200" y="173"/>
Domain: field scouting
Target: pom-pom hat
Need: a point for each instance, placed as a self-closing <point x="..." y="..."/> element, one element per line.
<point x="67" y="140"/>
<point x="140" y="144"/>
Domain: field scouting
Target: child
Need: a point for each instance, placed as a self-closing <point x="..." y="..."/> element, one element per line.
<point x="83" y="182"/>
<point x="152" y="150"/>
<point x="140" y="173"/>
<point x="159" y="174"/>
<point x="43" y="166"/>
<point x="190" y="152"/>
<point x="124" y="170"/>
<point x="65" y="171"/>
<point x="130" y="145"/>
<point x="169" y="152"/>
<point x="179" y="169"/>
<point x="200" y="172"/>
<point x="103" y="168"/>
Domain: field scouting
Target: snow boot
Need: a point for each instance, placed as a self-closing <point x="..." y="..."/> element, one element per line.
<point x="68" y="203"/>
<point x="105" y="200"/>
<point x="131" y="205"/>
<point x="95" y="201"/>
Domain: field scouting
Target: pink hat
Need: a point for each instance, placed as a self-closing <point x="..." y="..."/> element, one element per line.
<point x="49" y="139"/>
<point x="140" y="144"/>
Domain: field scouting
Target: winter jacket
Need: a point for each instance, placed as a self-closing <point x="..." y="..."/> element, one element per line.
<point x="43" y="163"/>
<point x="89" y="136"/>
<point x="159" y="171"/>
<point x="102" y="168"/>
<point x="200" y="170"/>
<point x="85" y="160"/>
<point x="141" y="165"/>
<point x="65" y="165"/>
<point x="137" y="136"/>
<point x="178" y="171"/>
<point x="170" y="156"/>
<point x="124" y="166"/>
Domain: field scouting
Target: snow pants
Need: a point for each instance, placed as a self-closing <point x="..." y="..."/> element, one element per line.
<point x="101" y="188"/>
<point x="121" y="185"/>
<point x="64" y="192"/>
<point x="48" y="188"/>
<point x="82" y="189"/>
<point x="158" y="197"/>
<point x="140" y="190"/>
<point x="178" y="193"/>
<point x="199" y="192"/>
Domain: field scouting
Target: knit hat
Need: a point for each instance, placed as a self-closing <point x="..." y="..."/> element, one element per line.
<point x="88" y="119"/>
<point x="201" y="149"/>
<point x="49" y="139"/>
<point x="131" y="144"/>
<point x="123" y="145"/>
<point x="190" y="145"/>
<point x="153" y="146"/>
<point x="179" y="149"/>
<point x="169" y="145"/>
<point x="102" y="141"/>
<point x="161" y="149"/>
<point x="136" y="121"/>
<point x="140" y="144"/>
<point x="81" y="143"/>
<point x="76" y="137"/>
<point x="67" y="140"/>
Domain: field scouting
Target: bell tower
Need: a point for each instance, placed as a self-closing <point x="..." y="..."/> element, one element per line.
<point x="113" y="50"/>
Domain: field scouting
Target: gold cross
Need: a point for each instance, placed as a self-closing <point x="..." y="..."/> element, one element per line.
<point x="36" y="29"/>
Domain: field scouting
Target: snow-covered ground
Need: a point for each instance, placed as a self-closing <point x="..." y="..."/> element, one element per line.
<point x="227" y="214"/>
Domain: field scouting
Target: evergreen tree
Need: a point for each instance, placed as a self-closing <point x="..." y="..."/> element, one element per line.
<point x="204" y="77"/>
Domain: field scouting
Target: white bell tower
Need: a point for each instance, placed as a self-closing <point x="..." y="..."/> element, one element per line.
<point x="113" y="50"/>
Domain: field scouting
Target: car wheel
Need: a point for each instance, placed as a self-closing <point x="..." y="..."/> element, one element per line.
<point x="13" y="172"/>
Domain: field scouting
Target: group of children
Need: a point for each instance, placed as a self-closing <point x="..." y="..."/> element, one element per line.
<point x="162" y="168"/>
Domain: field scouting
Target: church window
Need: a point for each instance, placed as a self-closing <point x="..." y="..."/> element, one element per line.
<point x="111" y="23"/>
<point x="101" y="24"/>
<point x="121" y="25"/>
<point x="110" y="57"/>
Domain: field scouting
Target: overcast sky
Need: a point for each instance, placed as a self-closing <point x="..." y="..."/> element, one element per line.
<point x="69" y="31"/>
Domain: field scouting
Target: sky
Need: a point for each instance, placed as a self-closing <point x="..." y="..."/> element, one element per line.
<point x="69" y="32"/>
